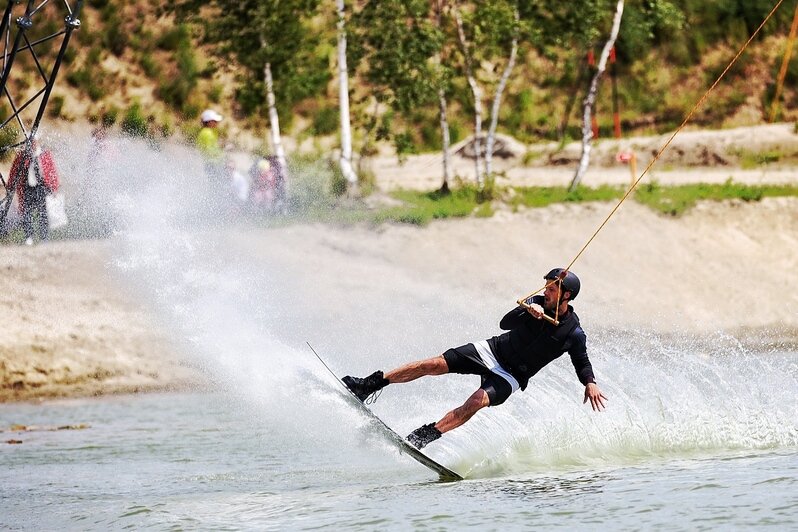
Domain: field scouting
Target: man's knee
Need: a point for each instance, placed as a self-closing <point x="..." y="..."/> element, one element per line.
<point x="441" y="364"/>
<point x="478" y="400"/>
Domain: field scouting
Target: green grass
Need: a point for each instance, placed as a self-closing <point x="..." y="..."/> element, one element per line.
<point x="676" y="200"/>
<point x="422" y="207"/>
<point x="543" y="196"/>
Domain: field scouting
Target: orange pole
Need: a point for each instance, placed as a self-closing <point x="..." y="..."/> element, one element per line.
<point x="774" y="106"/>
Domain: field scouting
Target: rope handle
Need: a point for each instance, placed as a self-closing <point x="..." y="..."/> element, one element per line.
<point x="523" y="303"/>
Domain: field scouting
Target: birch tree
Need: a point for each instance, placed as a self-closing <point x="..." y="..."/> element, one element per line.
<point x="487" y="35"/>
<point x="497" y="97"/>
<point x="476" y="93"/>
<point x="590" y="99"/>
<point x="443" y="82"/>
<point x="343" y="101"/>
<point x="271" y="40"/>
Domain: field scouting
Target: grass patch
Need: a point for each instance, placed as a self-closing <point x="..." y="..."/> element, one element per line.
<point x="422" y="207"/>
<point x="676" y="200"/>
<point x="544" y="196"/>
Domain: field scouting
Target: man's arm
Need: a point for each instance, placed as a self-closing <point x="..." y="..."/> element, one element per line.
<point x="584" y="370"/>
<point x="512" y="319"/>
<point x="516" y="317"/>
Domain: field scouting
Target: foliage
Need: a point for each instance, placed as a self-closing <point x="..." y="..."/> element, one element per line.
<point x="257" y="32"/>
<point x="422" y="207"/>
<point x="89" y="77"/>
<point x="8" y="137"/>
<point x="397" y="41"/>
<point x="325" y="121"/>
<point x="177" y="89"/>
<point x="544" y="196"/>
<point x="394" y="46"/>
<point x="134" y="123"/>
<point x="675" y="200"/>
<point x="55" y="105"/>
<point x="115" y="37"/>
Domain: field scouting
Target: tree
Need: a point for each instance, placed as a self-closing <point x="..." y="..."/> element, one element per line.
<point x="487" y="34"/>
<point x="343" y="102"/>
<point x="590" y="99"/>
<point x="398" y="45"/>
<point x="271" y="39"/>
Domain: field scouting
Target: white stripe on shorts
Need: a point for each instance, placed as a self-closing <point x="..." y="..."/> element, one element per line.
<point x="492" y="364"/>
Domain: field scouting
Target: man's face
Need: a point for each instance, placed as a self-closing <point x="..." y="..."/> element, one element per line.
<point x="551" y="294"/>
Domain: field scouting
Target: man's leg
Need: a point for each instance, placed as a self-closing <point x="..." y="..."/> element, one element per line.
<point x="425" y="434"/>
<point x="44" y="220"/>
<point x="27" y="217"/>
<point x="478" y="400"/>
<point x="414" y="370"/>
<point x="363" y="388"/>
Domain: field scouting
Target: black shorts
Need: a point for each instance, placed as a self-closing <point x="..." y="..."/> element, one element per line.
<point x="466" y="361"/>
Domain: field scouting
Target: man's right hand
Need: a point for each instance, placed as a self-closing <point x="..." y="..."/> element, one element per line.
<point x="536" y="310"/>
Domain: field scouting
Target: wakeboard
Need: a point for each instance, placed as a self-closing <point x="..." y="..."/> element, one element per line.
<point x="402" y="444"/>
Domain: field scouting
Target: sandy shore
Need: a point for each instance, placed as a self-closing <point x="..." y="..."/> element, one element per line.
<point x="71" y="328"/>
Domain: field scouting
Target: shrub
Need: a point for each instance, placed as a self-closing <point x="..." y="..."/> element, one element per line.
<point x="215" y="93"/>
<point x="150" y="66"/>
<point x="134" y="123"/>
<point x="115" y="38"/>
<point x="172" y="38"/>
<point x="8" y="137"/>
<point x="325" y="121"/>
<point x="55" y="106"/>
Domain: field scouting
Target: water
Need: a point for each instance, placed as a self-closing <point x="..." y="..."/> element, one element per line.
<point x="217" y="461"/>
<point x="700" y="433"/>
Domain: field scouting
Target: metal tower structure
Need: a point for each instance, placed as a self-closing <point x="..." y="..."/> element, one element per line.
<point x="34" y="36"/>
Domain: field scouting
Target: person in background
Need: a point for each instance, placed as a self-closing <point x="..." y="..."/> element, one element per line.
<point x="264" y="181"/>
<point x="34" y="176"/>
<point x="209" y="147"/>
<point x="269" y="187"/>
<point x="239" y="187"/>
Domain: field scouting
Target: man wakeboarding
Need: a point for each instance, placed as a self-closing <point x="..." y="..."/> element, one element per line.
<point x="505" y="362"/>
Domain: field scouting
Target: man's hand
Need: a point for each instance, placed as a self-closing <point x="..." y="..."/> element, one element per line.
<point x="597" y="398"/>
<point x="536" y="310"/>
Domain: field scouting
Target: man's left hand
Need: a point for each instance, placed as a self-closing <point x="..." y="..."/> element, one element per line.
<point x="597" y="398"/>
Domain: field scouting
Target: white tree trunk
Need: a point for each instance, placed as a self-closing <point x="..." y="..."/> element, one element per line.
<point x="343" y="94"/>
<point x="445" y="140"/>
<point x="590" y="100"/>
<point x="497" y="101"/>
<point x="476" y="91"/>
<point x="274" y="121"/>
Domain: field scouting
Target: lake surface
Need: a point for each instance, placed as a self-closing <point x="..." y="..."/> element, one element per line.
<point x="241" y="461"/>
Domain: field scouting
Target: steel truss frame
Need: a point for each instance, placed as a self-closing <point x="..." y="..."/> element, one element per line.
<point x="15" y="35"/>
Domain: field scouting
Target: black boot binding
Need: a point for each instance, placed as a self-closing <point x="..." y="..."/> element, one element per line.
<point x="367" y="386"/>
<point x="423" y="435"/>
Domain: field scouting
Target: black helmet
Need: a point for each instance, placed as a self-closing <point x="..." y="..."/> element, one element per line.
<point x="570" y="283"/>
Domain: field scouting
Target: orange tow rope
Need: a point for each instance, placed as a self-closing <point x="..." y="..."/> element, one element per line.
<point x="523" y="301"/>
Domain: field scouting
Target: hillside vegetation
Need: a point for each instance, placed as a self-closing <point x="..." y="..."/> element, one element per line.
<point x="138" y="64"/>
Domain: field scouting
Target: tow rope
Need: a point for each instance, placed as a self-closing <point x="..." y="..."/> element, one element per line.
<point x="526" y="301"/>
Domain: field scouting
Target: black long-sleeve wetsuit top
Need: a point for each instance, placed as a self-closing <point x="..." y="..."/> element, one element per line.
<point x="531" y="343"/>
